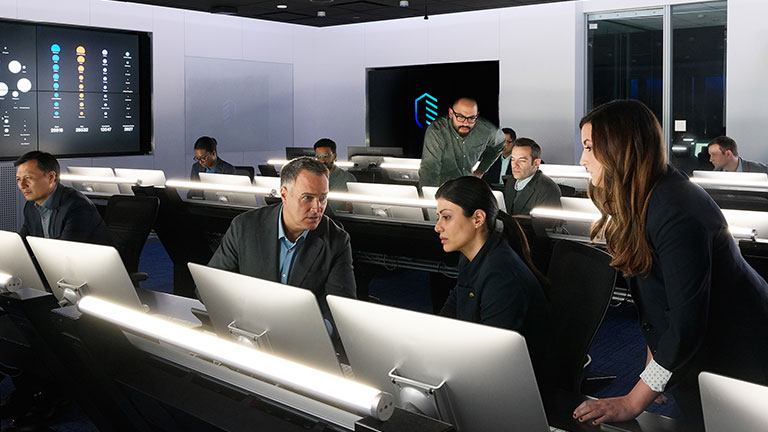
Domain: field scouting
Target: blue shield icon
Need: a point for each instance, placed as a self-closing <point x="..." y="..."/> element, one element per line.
<point x="425" y="108"/>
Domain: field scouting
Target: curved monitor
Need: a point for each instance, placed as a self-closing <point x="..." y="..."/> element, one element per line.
<point x="15" y="261"/>
<point x="105" y="188"/>
<point x="148" y="177"/>
<point x="733" y="176"/>
<point x="99" y="268"/>
<point x="386" y="210"/>
<point x="487" y="376"/>
<point x="248" y="199"/>
<point x="430" y="191"/>
<point x="732" y="405"/>
<point x="273" y="317"/>
<point x="294" y="152"/>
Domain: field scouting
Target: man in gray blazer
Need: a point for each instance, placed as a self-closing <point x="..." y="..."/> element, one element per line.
<point x="724" y="155"/>
<point x="531" y="187"/>
<point x="292" y="242"/>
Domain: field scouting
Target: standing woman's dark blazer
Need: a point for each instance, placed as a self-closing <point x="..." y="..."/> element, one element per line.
<point x="497" y="289"/>
<point x="702" y="307"/>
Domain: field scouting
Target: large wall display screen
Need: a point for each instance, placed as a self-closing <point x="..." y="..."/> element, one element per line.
<point x="403" y="101"/>
<point x="73" y="91"/>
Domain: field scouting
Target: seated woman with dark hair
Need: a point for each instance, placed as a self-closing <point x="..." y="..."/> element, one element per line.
<point x="496" y="286"/>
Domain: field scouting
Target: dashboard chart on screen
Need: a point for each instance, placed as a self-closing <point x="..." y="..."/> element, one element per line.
<point x="73" y="91"/>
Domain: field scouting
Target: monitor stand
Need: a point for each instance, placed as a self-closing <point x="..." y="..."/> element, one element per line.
<point x="427" y="399"/>
<point x="260" y="340"/>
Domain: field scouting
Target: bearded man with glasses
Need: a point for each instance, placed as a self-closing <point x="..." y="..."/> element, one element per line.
<point x="453" y="144"/>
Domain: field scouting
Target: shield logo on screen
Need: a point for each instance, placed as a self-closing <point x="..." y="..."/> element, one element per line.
<point x="425" y="108"/>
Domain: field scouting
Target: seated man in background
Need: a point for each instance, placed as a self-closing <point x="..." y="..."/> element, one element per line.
<point x="52" y="209"/>
<point x="207" y="160"/>
<point x="531" y="187"/>
<point x="500" y="168"/>
<point x="325" y="152"/>
<point x="724" y="155"/>
<point x="292" y="242"/>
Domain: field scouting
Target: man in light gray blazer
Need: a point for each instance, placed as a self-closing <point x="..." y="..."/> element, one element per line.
<point x="292" y="242"/>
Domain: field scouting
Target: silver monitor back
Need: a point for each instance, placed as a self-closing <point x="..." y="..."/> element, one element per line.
<point x="105" y="188"/>
<point x="295" y="329"/>
<point x="386" y="210"/>
<point x="15" y="261"/>
<point x="487" y="370"/>
<point x="148" y="177"/>
<point x="429" y="193"/>
<point x="97" y="266"/>
<point x="733" y="405"/>
<point x="247" y="199"/>
<point x="272" y="183"/>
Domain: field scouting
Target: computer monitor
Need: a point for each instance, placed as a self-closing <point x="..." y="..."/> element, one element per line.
<point x="386" y="210"/>
<point x="148" y="177"/>
<point x="75" y="269"/>
<point x="15" y="261"/>
<point x="732" y="405"/>
<point x="400" y="169"/>
<point x="272" y="317"/>
<point x="103" y="188"/>
<point x="580" y="205"/>
<point x="429" y="193"/>
<point x="247" y="199"/>
<point x="732" y="176"/>
<point x="483" y="374"/>
<point x="371" y="157"/>
<point x="294" y="152"/>
<point x="757" y="220"/>
<point x="271" y="183"/>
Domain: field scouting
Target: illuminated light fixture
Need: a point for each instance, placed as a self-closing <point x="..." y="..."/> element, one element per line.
<point x="185" y="184"/>
<point x="281" y="162"/>
<point x="728" y="182"/>
<point x="567" y="174"/>
<point x="401" y="166"/>
<point x="743" y="233"/>
<point x="9" y="283"/>
<point x="282" y="6"/>
<point x="374" y="199"/>
<point x="321" y="14"/>
<point x="346" y="394"/>
<point x="97" y="179"/>
<point x="680" y="148"/>
<point x="566" y="215"/>
<point x="404" y="3"/>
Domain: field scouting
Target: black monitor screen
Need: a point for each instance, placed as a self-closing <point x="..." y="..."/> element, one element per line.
<point x="73" y="91"/>
<point x="294" y="152"/>
<point x="402" y="101"/>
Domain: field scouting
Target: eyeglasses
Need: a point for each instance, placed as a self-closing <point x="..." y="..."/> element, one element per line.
<point x="202" y="159"/>
<point x="462" y="118"/>
<point x="323" y="156"/>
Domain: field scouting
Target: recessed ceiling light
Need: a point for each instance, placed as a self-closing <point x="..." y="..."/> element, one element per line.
<point x="282" y="6"/>
<point x="321" y="14"/>
<point x="404" y="3"/>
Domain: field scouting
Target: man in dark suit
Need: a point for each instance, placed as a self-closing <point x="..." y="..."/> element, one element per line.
<point x="52" y="209"/>
<point x="500" y="168"/>
<point x="724" y="155"/>
<point x="292" y="242"/>
<point x="531" y="187"/>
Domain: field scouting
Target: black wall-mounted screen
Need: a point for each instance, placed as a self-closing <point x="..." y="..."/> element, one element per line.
<point x="74" y="91"/>
<point x="402" y="101"/>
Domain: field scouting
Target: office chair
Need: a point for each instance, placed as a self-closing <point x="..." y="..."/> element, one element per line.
<point x="129" y="220"/>
<point x="579" y="300"/>
<point x="268" y="171"/>
<point x="245" y="170"/>
<point x="566" y="191"/>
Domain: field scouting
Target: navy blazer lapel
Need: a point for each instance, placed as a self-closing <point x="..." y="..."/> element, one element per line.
<point x="525" y="195"/>
<point x="308" y="253"/>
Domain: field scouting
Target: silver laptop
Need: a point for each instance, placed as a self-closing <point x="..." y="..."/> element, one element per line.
<point x="732" y="405"/>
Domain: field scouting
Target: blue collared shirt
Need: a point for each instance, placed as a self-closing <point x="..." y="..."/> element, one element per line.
<point x="288" y="249"/>
<point x="46" y="210"/>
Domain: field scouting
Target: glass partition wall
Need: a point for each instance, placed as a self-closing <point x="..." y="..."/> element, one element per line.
<point x="672" y="58"/>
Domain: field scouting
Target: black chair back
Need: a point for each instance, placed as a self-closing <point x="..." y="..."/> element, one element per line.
<point x="129" y="220"/>
<point x="268" y="171"/>
<point x="246" y="171"/>
<point x="582" y="283"/>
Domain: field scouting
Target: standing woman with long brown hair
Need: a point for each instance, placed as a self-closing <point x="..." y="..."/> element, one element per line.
<point x="701" y="306"/>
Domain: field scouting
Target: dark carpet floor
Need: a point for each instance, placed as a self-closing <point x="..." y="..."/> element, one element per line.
<point x="618" y="349"/>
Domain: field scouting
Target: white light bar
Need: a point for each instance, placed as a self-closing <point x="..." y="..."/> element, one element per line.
<point x="401" y="166"/>
<point x="730" y="183"/>
<point x="567" y="174"/>
<point x="185" y="184"/>
<point x="566" y="215"/>
<point x="743" y="233"/>
<point x="323" y="386"/>
<point x="96" y="179"/>
<point x="373" y="199"/>
<point x="281" y="162"/>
